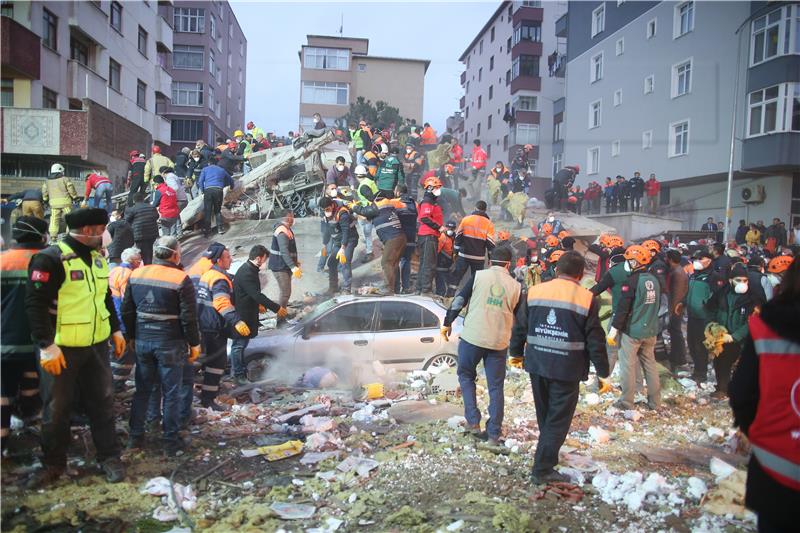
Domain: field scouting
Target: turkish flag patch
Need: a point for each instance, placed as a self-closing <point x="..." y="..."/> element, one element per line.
<point x="625" y="288"/>
<point x="76" y="275"/>
<point x="39" y="275"/>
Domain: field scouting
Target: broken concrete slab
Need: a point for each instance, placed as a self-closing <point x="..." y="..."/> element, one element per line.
<point x="413" y="412"/>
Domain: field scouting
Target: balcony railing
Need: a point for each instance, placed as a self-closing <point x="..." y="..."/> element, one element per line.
<point x="20" y="49"/>
<point x="463" y="77"/>
<point x="561" y="26"/>
<point x="85" y="83"/>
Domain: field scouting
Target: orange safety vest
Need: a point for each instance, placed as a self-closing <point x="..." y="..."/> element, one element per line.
<point x="118" y="280"/>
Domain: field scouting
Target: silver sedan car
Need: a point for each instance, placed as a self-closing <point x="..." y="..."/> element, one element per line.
<point x="401" y="332"/>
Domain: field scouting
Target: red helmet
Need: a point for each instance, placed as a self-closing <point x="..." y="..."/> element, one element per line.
<point x="577" y="168"/>
<point x="555" y="255"/>
<point x="250" y="125"/>
<point x="133" y="153"/>
<point x="232" y="145"/>
<point x="449" y="169"/>
<point x="156" y="149"/>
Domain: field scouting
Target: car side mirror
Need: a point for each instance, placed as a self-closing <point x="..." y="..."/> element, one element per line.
<point x="305" y="332"/>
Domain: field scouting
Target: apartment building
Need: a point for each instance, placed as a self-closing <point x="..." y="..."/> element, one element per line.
<point x="80" y="85"/>
<point x="510" y="82"/>
<point x="335" y="71"/>
<point x="661" y="87"/>
<point x="208" y="66"/>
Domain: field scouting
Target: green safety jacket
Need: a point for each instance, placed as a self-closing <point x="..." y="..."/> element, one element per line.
<point x="637" y="311"/>
<point x="390" y="173"/>
<point x="702" y="286"/>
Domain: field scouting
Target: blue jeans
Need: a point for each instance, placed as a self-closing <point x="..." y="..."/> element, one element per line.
<point x="102" y="196"/>
<point x="494" y="364"/>
<point x="366" y="229"/>
<point x="238" y="346"/>
<point x="405" y="268"/>
<point x="162" y="360"/>
<point x="334" y="267"/>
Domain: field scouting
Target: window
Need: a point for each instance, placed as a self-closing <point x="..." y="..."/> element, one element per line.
<point x="651" y="29"/>
<point x="396" y="316"/>
<point x="239" y="105"/>
<point x="525" y="103"/>
<point x="526" y="134"/>
<point x="241" y="48"/>
<point x="679" y="138"/>
<point x="116" y="16"/>
<point x="187" y="93"/>
<point x="647" y="140"/>
<point x="491" y="63"/>
<point x="772" y="30"/>
<point x="480" y="74"/>
<point x="186" y="57"/>
<point x="324" y="92"/>
<point x="594" y="114"/>
<point x="230" y="60"/>
<point x="467" y="89"/>
<point x="528" y="31"/>
<point x="489" y="122"/>
<point x="558" y="131"/>
<point x="681" y="78"/>
<point x="78" y="51"/>
<point x="229" y="89"/>
<point x="362" y="67"/>
<point x="615" y="148"/>
<point x="617" y="97"/>
<point x="212" y="61"/>
<point x="557" y="165"/>
<point x="219" y="76"/>
<point x="49" y="99"/>
<point x="142" y="41"/>
<point x="480" y="47"/>
<point x="7" y="10"/>
<point x="596" y="68"/>
<point x="230" y="30"/>
<point x="505" y="143"/>
<point x="212" y="27"/>
<point x="684" y="19"/>
<point x="478" y="130"/>
<point x="7" y="92"/>
<point x="189" y="19"/>
<point x="326" y="58"/>
<point x="620" y="48"/>
<point x="114" y="74"/>
<point x="186" y="130"/>
<point x="49" y="30"/>
<point x="508" y="77"/>
<point x="241" y="76"/>
<point x="508" y="46"/>
<point x="480" y="99"/>
<point x="763" y="111"/>
<point x="491" y="91"/>
<point x="598" y="19"/>
<point x="347" y="318"/>
<point x="649" y="84"/>
<point x="525" y="65"/>
<point x="593" y="160"/>
<point x="491" y="38"/>
<point x="211" y="99"/>
<point x="141" y="94"/>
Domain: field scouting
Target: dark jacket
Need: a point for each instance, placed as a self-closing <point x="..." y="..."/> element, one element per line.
<point x="229" y="160"/>
<point x="143" y="219"/>
<point x="612" y="280"/>
<point x="408" y="218"/>
<point x="732" y="311"/>
<point x="637" y="312"/>
<point x="637" y="187"/>
<point x="340" y="229"/>
<point x="16" y="343"/>
<point x="754" y="279"/>
<point x="248" y="296"/>
<point x="702" y="286"/>
<point x="181" y="165"/>
<point x="741" y="232"/>
<point x="721" y="265"/>
<point x="677" y="286"/>
<point x="121" y="239"/>
<point x="773" y="501"/>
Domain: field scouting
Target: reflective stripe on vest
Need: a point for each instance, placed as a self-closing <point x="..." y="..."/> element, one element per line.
<point x="118" y="280"/>
<point x="776" y="463"/>
<point x="205" y="295"/>
<point x="81" y="316"/>
<point x="373" y="187"/>
<point x="14" y="265"/>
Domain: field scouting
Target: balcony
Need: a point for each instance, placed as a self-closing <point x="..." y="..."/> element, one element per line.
<point x="529" y="83"/>
<point x="561" y="26"/>
<point x="163" y="33"/>
<point x="463" y="102"/>
<point x="463" y="78"/>
<point x="525" y="47"/>
<point x="22" y="58"/>
<point x="531" y="14"/>
<point x="527" y="117"/>
<point x="162" y="130"/>
<point x="775" y="152"/>
<point x="163" y="80"/>
<point x="83" y="82"/>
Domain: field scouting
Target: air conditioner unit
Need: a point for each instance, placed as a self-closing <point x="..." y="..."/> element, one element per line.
<point x="751" y="196"/>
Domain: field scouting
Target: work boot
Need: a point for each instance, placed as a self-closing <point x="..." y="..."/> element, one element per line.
<point x="44" y="478"/>
<point x="135" y="443"/>
<point x="543" y="478"/>
<point x="213" y="405"/>
<point x="221" y="229"/>
<point x="241" y="381"/>
<point x="113" y="469"/>
<point x="176" y="447"/>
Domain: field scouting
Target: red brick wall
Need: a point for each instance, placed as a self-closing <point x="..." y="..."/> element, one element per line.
<point x="72" y="137"/>
<point x="111" y="138"/>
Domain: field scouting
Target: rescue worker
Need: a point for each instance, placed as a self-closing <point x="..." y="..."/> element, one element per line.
<point x="444" y="257"/>
<point x="702" y="285"/>
<point x="156" y="161"/>
<point x="677" y="288"/>
<point x="72" y="337"/>
<point x="135" y="179"/>
<point x="204" y="263"/>
<point x="31" y="202"/>
<point x="636" y="319"/>
<point x="143" y="219"/>
<point x="762" y="395"/>
<point x="366" y="186"/>
<point x="474" y="239"/>
<point x="478" y="164"/>
<point x="430" y="219"/>
<point x="777" y="268"/>
<point x="339" y="174"/>
<point x="243" y="149"/>
<point x="18" y="371"/>
<point x="657" y="265"/>
<point x="250" y="301"/>
<point x="390" y="172"/>
<point x="732" y="307"/>
<point x="408" y="221"/>
<point x="165" y="200"/>
<point x="602" y="247"/>
<point x="59" y="192"/>
<point x="283" y="261"/>
<point x="160" y="315"/>
<point x="494" y="301"/>
<point x="557" y="336"/>
<point x="382" y="212"/>
<point x="371" y="162"/>
<point x="552" y="256"/>
<point x="550" y="225"/>
<point x="218" y="320"/>
<point x="340" y="239"/>
<point x="103" y="189"/>
<point x="413" y="166"/>
<point x="212" y="181"/>
<point x="121" y="238"/>
<point x="118" y="279"/>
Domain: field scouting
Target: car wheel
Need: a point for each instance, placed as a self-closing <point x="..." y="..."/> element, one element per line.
<point x="257" y="365"/>
<point x="445" y="359"/>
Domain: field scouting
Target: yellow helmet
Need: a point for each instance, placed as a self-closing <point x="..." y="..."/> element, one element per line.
<point x="238" y="133"/>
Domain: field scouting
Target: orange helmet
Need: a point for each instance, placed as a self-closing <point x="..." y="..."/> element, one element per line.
<point x="652" y="245"/>
<point x="433" y="182"/>
<point x="563" y="233"/>
<point x="503" y="235"/>
<point x="638" y="253"/>
<point x="780" y="264"/>
<point x="555" y="256"/>
<point x="551" y="241"/>
<point x="547" y="228"/>
<point x="449" y="169"/>
<point x="614" y="241"/>
<point x="603" y="240"/>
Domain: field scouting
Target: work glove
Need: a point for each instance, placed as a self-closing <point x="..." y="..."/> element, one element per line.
<point x="242" y="328"/>
<point x="605" y="385"/>
<point x="262" y="309"/>
<point x="297" y="273"/>
<point x="194" y="353"/>
<point x="515" y="362"/>
<point x="52" y="360"/>
<point x="611" y="338"/>
<point x="727" y="338"/>
<point x="341" y="257"/>
<point x="84" y="204"/>
<point x="445" y="332"/>
<point x="119" y="344"/>
<point x="324" y="251"/>
<point x="282" y="312"/>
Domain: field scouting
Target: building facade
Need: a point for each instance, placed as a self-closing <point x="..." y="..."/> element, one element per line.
<point x="80" y="85"/>
<point x="510" y="82"/>
<point x="335" y="71"/>
<point x="658" y="87"/>
<point x="208" y="66"/>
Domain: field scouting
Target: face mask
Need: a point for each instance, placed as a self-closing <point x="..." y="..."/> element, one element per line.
<point x="196" y="158"/>
<point x="409" y="150"/>
<point x="627" y="266"/>
<point x="740" y="288"/>
<point x="534" y="259"/>
<point x="92" y="241"/>
<point x="698" y="265"/>
<point x="316" y="120"/>
<point x="449" y="233"/>
<point x="551" y="219"/>
<point x="340" y="168"/>
<point x="437" y="192"/>
<point x="333" y="193"/>
<point x="328" y="214"/>
<point x="499" y="169"/>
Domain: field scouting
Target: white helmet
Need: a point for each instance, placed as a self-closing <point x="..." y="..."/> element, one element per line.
<point x="361" y="170"/>
<point x="57" y="168"/>
<point x="384" y="148"/>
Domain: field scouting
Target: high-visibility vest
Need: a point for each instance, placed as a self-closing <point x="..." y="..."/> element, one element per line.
<point x="118" y="280"/>
<point x="81" y="317"/>
<point x="16" y="333"/>
<point x="371" y="185"/>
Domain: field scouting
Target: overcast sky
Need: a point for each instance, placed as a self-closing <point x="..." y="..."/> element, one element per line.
<point x="275" y="31"/>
